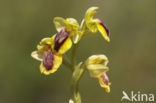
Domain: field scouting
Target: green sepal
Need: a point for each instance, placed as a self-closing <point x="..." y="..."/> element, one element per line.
<point x="59" y="23"/>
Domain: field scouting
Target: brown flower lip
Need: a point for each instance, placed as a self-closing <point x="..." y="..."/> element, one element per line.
<point x="60" y="38"/>
<point x="105" y="78"/>
<point x="48" y="59"/>
<point x="104" y="26"/>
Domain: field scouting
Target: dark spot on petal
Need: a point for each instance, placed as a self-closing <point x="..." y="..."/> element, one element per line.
<point x="60" y="38"/>
<point x="104" y="26"/>
<point x="105" y="79"/>
<point x="48" y="59"/>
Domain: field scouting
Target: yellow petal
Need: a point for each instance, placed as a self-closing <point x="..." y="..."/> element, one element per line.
<point x="53" y="42"/>
<point x="45" y="44"/>
<point x="46" y="41"/>
<point x="43" y="47"/>
<point x="65" y="46"/>
<point x="56" y="64"/>
<point x="97" y="59"/>
<point x="97" y="65"/>
<point x="59" y="23"/>
<point x="90" y="22"/>
<point x="103" y="30"/>
<point x="97" y="70"/>
<point x="72" y="25"/>
<point x="89" y="13"/>
<point x="72" y="21"/>
<point x="92" y="26"/>
<point x="38" y="55"/>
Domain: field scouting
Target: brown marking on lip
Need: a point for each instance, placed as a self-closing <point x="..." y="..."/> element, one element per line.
<point x="105" y="79"/>
<point x="104" y="26"/>
<point x="48" y="60"/>
<point x="60" y="38"/>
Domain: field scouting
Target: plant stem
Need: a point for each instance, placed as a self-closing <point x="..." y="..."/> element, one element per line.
<point x="74" y="55"/>
<point x="77" y="74"/>
<point x="78" y="71"/>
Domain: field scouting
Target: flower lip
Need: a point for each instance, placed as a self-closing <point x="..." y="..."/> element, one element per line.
<point x="105" y="79"/>
<point x="104" y="26"/>
<point x="60" y="38"/>
<point x="104" y="82"/>
<point x="48" y="60"/>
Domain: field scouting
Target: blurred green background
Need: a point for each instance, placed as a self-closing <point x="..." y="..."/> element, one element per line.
<point x="131" y="52"/>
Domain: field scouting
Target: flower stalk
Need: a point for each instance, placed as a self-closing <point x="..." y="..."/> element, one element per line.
<point x="77" y="74"/>
<point x="73" y="55"/>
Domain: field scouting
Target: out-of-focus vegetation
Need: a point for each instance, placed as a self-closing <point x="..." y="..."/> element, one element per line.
<point x="131" y="52"/>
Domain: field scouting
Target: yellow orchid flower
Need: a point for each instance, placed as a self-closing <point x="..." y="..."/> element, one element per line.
<point x="50" y="51"/>
<point x="97" y="66"/>
<point x="95" y="25"/>
<point x="50" y="61"/>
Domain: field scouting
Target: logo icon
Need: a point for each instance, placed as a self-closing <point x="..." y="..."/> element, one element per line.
<point x="137" y="97"/>
<point x="125" y="96"/>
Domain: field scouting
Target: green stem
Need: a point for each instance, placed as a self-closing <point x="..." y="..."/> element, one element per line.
<point x="73" y="55"/>
<point x="78" y="70"/>
<point x="77" y="74"/>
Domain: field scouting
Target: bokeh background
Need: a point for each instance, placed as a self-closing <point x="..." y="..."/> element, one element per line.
<point x="131" y="52"/>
